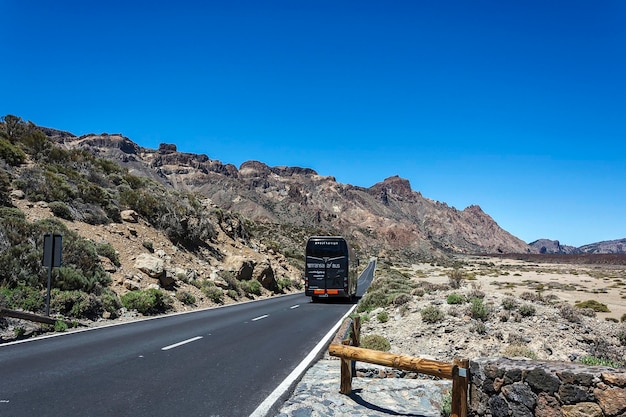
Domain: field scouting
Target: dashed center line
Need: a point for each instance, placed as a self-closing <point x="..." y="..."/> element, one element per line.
<point x="296" y="306"/>
<point x="260" y="317"/>
<point x="184" y="342"/>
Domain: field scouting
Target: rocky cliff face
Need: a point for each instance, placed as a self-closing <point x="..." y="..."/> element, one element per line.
<point x="387" y="218"/>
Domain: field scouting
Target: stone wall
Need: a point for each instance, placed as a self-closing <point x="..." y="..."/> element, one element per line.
<point x="505" y="387"/>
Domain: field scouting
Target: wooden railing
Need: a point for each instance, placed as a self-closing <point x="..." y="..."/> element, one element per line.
<point x="5" y="312"/>
<point x="345" y="345"/>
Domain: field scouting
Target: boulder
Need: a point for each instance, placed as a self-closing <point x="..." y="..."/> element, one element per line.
<point x="264" y="273"/>
<point x="149" y="265"/>
<point x="129" y="216"/>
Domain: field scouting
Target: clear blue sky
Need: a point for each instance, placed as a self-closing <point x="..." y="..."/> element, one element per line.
<point x="519" y="107"/>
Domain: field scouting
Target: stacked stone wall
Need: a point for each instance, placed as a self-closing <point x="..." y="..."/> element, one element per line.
<point x="502" y="387"/>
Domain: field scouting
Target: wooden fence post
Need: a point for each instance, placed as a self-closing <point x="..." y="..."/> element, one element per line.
<point x="460" y="381"/>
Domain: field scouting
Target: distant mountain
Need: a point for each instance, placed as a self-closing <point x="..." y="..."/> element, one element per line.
<point x="553" y="246"/>
<point x="608" y="246"/>
<point x="384" y="219"/>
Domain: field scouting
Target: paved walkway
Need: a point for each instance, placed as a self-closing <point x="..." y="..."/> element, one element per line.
<point x="317" y="394"/>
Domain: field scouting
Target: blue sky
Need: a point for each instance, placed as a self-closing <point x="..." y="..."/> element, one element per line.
<point x="519" y="107"/>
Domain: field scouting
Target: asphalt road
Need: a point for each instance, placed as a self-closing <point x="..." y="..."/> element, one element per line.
<point x="218" y="362"/>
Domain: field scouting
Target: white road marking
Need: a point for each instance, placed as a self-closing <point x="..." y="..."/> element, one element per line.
<point x="184" y="342"/>
<point x="261" y="317"/>
<point x="296" y="306"/>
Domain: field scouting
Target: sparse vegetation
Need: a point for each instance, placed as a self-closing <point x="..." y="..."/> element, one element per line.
<point x="383" y="317"/>
<point x="517" y="350"/>
<point x="432" y="314"/>
<point x="526" y="310"/>
<point x="147" y="302"/>
<point x="375" y="342"/>
<point x="455" y="279"/>
<point x="185" y="297"/>
<point x="455" y="298"/>
<point x="594" y="305"/>
<point x="478" y="310"/>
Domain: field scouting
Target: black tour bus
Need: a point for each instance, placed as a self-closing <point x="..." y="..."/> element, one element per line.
<point x="330" y="268"/>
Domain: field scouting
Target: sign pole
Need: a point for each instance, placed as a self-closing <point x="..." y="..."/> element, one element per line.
<point x="52" y="245"/>
<point x="48" y="292"/>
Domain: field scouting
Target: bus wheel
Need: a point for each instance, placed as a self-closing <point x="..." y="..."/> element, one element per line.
<point x="315" y="299"/>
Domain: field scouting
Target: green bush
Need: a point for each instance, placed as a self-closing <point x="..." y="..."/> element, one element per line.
<point x="478" y="310"/>
<point x="212" y="292"/>
<point x="284" y="284"/>
<point x="61" y="210"/>
<point x="108" y="251"/>
<point x="455" y="298"/>
<point x="11" y="154"/>
<point x="75" y="303"/>
<point x="23" y="298"/>
<point x="110" y="302"/>
<point x="251" y="286"/>
<point x="594" y="305"/>
<point x="383" y="317"/>
<point x="372" y="300"/>
<point x="375" y="342"/>
<point x="148" y="302"/>
<point x="60" y="326"/>
<point x="432" y="314"/>
<point x="595" y="361"/>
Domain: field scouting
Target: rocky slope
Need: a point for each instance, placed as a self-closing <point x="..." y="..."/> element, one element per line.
<point x="386" y="219"/>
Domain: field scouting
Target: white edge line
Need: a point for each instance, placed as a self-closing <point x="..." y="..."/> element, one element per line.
<point x="265" y="406"/>
<point x="137" y="320"/>
<point x="184" y="342"/>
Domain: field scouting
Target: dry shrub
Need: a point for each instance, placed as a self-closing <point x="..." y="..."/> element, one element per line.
<point x="570" y="313"/>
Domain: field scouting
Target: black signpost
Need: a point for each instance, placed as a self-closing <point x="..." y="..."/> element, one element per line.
<point x="52" y="245"/>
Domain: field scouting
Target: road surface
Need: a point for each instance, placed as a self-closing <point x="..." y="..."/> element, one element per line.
<point x="217" y="362"/>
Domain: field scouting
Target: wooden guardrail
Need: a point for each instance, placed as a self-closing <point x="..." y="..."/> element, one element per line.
<point x="345" y="345"/>
<point x="31" y="317"/>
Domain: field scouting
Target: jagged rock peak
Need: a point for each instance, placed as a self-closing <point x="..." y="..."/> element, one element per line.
<point x="474" y="209"/>
<point x="394" y="185"/>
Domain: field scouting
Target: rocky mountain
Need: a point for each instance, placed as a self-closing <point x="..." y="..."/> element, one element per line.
<point x="607" y="246"/>
<point x="553" y="246"/>
<point x="386" y="219"/>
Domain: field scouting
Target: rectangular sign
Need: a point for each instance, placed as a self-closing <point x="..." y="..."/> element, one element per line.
<point x="52" y="246"/>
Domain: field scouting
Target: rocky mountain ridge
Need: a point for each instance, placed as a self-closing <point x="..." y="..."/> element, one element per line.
<point x="386" y="219"/>
<point x="617" y="246"/>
